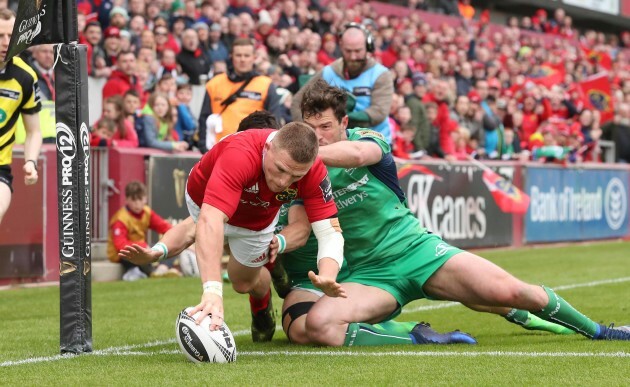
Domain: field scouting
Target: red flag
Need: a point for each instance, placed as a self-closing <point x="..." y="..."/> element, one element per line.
<point x="595" y="56"/>
<point x="508" y="197"/>
<point x="550" y="74"/>
<point x="598" y="95"/>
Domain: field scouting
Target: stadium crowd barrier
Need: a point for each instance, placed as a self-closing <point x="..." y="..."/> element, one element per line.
<point x="459" y="201"/>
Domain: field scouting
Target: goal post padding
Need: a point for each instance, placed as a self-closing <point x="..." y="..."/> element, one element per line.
<point x="73" y="177"/>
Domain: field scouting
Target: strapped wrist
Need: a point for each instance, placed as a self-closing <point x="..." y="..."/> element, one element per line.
<point x="282" y="243"/>
<point x="161" y="247"/>
<point x="213" y="287"/>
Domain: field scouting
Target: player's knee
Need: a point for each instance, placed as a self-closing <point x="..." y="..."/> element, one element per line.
<point x="294" y="322"/>
<point x="320" y="327"/>
<point x="513" y="294"/>
<point x="242" y="287"/>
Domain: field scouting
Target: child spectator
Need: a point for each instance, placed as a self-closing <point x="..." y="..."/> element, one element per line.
<point x="186" y="124"/>
<point x="130" y="225"/>
<point x="125" y="135"/>
<point x="157" y="127"/>
<point x="403" y="143"/>
<point x="103" y="132"/>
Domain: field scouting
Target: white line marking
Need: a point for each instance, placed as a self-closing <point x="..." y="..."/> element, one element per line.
<point x="385" y="354"/>
<point x="443" y="305"/>
<point x="122" y="349"/>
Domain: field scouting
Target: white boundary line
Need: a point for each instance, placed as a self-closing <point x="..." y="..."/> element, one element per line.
<point x="125" y="350"/>
<point x="443" y="305"/>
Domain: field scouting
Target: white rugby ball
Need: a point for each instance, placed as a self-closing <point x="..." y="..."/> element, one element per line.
<point x="199" y="344"/>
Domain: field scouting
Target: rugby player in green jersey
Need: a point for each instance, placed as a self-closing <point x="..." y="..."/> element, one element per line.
<point x="392" y="259"/>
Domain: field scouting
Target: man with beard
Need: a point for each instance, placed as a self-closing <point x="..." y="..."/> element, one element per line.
<point x="369" y="84"/>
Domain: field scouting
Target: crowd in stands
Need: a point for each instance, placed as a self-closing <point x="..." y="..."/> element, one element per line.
<point x="461" y="89"/>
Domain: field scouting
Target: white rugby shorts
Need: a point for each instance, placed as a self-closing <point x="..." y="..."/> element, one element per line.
<point x="250" y="248"/>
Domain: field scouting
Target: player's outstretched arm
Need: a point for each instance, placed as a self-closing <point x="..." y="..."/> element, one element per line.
<point x="174" y="241"/>
<point x="329" y="257"/>
<point x="350" y="154"/>
<point x="210" y="234"/>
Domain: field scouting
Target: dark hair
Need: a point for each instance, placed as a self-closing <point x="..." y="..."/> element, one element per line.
<point x="132" y="93"/>
<point x="91" y="24"/>
<point x="299" y="140"/>
<point x="184" y="86"/>
<point x="260" y="119"/>
<point x="320" y="96"/>
<point x="135" y="190"/>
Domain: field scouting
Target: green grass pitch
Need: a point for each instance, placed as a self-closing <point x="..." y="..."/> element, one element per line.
<point x="133" y="331"/>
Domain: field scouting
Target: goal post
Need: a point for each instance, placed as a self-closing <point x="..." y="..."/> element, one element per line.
<point x="73" y="185"/>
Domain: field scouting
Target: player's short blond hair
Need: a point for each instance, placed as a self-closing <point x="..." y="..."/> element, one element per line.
<point x="299" y="140"/>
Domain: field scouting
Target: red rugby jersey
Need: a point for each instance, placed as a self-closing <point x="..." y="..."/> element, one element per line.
<point x="230" y="178"/>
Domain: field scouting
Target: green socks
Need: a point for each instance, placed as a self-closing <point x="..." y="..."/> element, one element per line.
<point x="385" y="333"/>
<point x="531" y="322"/>
<point x="561" y="312"/>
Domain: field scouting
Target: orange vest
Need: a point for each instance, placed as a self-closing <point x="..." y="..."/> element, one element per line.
<point x="250" y="100"/>
<point x="136" y="229"/>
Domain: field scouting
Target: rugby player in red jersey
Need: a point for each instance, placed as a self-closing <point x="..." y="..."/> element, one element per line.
<point x="235" y="192"/>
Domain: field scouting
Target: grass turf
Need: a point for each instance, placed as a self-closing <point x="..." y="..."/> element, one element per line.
<point x="133" y="331"/>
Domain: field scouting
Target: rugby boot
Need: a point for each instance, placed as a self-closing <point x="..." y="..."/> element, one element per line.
<point x="614" y="334"/>
<point x="424" y="334"/>
<point x="279" y="278"/>
<point x="263" y="323"/>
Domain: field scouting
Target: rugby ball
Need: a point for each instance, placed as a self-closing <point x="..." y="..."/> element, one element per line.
<point x="199" y="344"/>
<point x="188" y="263"/>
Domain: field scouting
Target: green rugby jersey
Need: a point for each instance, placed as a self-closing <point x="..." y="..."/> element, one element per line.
<point x="377" y="225"/>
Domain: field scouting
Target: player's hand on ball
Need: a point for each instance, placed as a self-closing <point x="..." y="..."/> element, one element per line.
<point x="211" y="304"/>
<point x="30" y="173"/>
<point x="139" y="255"/>
<point x="328" y="285"/>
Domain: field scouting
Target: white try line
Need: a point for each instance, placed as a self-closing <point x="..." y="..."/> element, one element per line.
<point x="126" y="349"/>
<point x="442" y="305"/>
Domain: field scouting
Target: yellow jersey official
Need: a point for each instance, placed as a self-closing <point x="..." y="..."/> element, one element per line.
<point x="19" y="94"/>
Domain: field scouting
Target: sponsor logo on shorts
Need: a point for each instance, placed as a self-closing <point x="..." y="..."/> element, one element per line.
<point x="262" y="258"/>
<point x="441" y="249"/>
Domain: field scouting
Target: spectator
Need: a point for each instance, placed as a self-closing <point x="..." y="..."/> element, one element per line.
<point x="403" y="147"/>
<point x="42" y="62"/>
<point x="124" y="135"/>
<point x="618" y="131"/>
<point x="368" y="83"/>
<point x="118" y="17"/>
<point x="111" y="46"/>
<point x="288" y="17"/>
<point x="122" y="79"/>
<point x="131" y="105"/>
<point x="97" y="67"/>
<point x="232" y="96"/>
<point x="186" y="125"/>
<point x="158" y="131"/>
<point x="129" y="225"/>
<point x="217" y="50"/>
<point x="191" y="59"/>
<point x="103" y="132"/>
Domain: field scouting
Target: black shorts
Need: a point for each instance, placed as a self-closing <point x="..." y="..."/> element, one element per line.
<point x="6" y="177"/>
